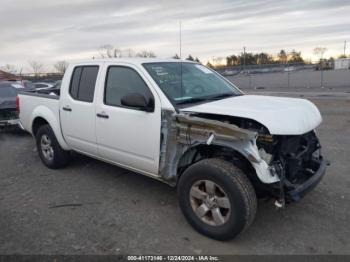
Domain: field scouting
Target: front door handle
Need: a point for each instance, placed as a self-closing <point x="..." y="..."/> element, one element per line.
<point x="67" y="108"/>
<point x="102" y="115"/>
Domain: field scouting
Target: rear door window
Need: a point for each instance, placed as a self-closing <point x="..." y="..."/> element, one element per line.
<point x="82" y="86"/>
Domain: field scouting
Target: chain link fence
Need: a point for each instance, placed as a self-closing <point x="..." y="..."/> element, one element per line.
<point x="286" y="76"/>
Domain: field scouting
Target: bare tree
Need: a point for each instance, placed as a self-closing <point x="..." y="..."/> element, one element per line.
<point x="104" y="50"/>
<point x="145" y="53"/>
<point x="129" y="52"/>
<point x="117" y="52"/>
<point x="36" y="66"/>
<point x="9" y="69"/>
<point x="319" y="51"/>
<point x="109" y="51"/>
<point x="61" y="66"/>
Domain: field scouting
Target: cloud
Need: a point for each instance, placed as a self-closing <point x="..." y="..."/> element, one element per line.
<point x="70" y="29"/>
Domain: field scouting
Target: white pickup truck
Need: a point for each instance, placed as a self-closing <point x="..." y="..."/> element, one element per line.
<point x="183" y="124"/>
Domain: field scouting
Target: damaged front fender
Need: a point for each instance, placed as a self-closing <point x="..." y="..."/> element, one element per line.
<point x="183" y="131"/>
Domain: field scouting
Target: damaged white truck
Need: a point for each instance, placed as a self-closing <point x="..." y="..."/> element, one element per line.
<point x="183" y="124"/>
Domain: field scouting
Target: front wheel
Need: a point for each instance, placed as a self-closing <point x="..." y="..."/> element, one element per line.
<point x="50" y="151"/>
<point x="217" y="198"/>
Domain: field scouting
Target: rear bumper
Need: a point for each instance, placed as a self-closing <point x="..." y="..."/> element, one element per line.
<point x="300" y="190"/>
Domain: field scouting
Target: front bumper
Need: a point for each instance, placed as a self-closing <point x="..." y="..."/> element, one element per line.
<point x="295" y="192"/>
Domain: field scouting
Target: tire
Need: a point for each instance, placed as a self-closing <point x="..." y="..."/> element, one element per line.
<point x="230" y="184"/>
<point x="50" y="151"/>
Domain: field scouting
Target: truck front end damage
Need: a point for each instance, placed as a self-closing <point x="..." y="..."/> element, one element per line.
<point x="283" y="167"/>
<point x="297" y="161"/>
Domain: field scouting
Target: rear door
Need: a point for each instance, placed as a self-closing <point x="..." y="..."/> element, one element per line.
<point x="77" y="109"/>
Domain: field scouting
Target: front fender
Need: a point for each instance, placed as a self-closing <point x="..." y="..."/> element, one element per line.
<point x="181" y="132"/>
<point x="250" y="151"/>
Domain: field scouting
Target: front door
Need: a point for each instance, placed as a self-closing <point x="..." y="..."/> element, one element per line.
<point x="127" y="136"/>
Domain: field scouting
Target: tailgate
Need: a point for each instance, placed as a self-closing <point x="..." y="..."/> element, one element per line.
<point x="8" y="114"/>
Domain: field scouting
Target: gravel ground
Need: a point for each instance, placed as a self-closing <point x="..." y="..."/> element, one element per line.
<point x="95" y="208"/>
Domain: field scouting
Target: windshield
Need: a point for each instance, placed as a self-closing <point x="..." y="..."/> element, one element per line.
<point x="7" y="91"/>
<point x="187" y="83"/>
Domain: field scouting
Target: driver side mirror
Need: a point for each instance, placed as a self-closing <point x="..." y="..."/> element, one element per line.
<point x="138" y="101"/>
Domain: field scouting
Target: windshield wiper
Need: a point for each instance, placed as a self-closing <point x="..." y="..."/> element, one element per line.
<point x="221" y="96"/>
<point x="202" y="99"/>
<point x="192" y="100"/>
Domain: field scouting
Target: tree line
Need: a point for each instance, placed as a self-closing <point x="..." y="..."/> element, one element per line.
<point x="262" y="58"/>
<point x="36" y="67"/>
<point x="244" y="58"/>
<point x="110" y="51"/>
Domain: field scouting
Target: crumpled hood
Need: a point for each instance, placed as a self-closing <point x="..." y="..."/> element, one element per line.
<point x="281" y="115"/>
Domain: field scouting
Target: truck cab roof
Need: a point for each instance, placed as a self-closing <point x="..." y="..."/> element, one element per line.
<point x="131" y="60"/>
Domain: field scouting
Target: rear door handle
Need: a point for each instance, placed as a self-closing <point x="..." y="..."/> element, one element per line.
<point x="67" y="108"/>
<point x="102" y="115"/>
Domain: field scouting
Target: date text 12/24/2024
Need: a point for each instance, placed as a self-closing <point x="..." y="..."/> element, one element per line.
<point x="173" y="258"/>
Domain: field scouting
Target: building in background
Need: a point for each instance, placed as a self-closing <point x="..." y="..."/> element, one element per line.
<point x="4" y="76"/>
<point x="342" y="63"/>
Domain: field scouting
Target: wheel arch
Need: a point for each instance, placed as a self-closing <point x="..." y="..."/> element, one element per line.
<point x="37" y="123"/>
<point x="201" y="151"/>
<point x="41" y="116"/>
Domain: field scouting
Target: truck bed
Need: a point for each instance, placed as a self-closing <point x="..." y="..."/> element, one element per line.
<point x="50" y="92"/>
<point x="31" y="102"/>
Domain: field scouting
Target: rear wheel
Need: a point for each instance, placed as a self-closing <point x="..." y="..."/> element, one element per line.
<point x="217" y="198"/>
<point x="50" y="151"/>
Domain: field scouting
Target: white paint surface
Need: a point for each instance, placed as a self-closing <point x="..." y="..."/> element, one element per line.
<point x="282" y="116"/>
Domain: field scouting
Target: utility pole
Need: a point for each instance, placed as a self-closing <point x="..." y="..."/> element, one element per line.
<point x="180" y="41"/>
<point x="288" y="75"/>
<point x="322" y="70"/>
<point x="244" y="59"/>
<point x="345" y="48"/>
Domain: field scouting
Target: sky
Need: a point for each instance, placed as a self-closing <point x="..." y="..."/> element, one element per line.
<point x="53" y="30"/>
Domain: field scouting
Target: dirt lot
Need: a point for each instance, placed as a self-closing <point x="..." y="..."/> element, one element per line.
<point x="94" y="208"/>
